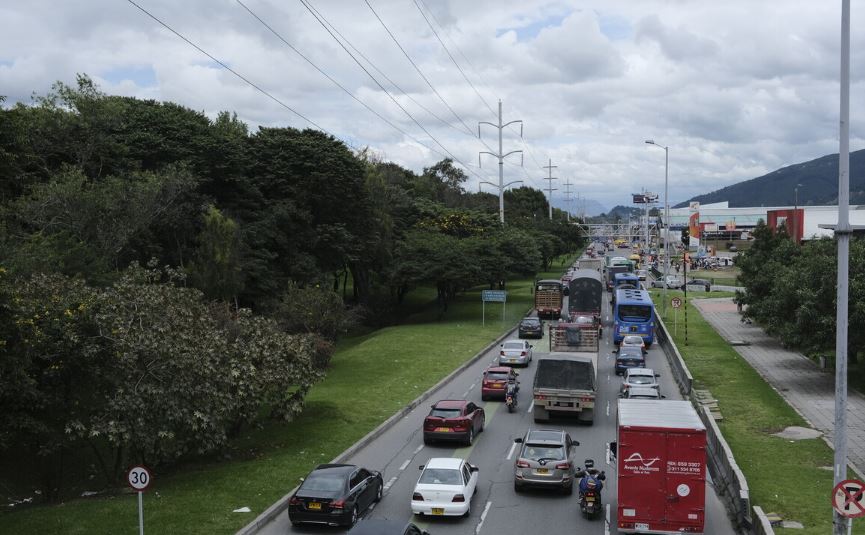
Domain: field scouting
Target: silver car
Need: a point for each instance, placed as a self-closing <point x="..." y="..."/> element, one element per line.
<point x="545" y="460"/>
<point x="640" y="377"/>
<point x="515" y="353"/>
<point x="642" y="392"/>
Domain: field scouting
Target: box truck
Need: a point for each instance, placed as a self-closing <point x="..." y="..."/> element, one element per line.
<point x="661" y="459"/>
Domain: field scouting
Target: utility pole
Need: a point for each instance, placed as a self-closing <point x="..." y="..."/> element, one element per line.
<point x="568" y="197"/>
<point x="549" y="167"/>
<point x="501" y="156"/>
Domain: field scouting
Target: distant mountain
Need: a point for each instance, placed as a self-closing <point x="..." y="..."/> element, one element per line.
<point x="818" y="179"/>
<point x="621" y="213"/>
<point x="591" y="207"/>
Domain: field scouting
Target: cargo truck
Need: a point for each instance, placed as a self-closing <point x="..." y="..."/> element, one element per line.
<point x="594" y="264"/>
<point x="566" y="379"/>
<point x="548" y="298"/>
<point x="661" y="458"/>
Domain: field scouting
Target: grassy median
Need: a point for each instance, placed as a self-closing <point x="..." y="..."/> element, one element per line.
<point x="371" y="377"/>
<point x="786" y="477"/>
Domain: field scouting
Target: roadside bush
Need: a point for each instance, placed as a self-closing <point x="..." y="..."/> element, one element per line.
<point x="314" y="309"/>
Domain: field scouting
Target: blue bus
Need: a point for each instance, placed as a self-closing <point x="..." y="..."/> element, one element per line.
<point x="634" y="314"/>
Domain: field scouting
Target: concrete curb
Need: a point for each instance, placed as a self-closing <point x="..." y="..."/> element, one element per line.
<point x="281" y="505"/>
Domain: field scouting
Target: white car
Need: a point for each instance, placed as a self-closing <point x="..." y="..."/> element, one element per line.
<point x="640" y="377"/>
<point x="514" y="352"/>
<point x="445" y="487"/>
<point x="673" y="283"/>
<point x="633" y="340"/>
<point x="641" y="274"/>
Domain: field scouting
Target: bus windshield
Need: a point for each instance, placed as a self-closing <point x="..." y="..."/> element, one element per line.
<point x="635" y="313"/>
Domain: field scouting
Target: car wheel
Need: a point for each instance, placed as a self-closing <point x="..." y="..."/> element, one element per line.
<point x="426" y="441"/>
<point x="468" y="512"/>
<point x="484" y="397"/>
<point x="379" y="492"/>
<point x="517" y="488"/>
<point x="471" y="438"/>
<point x="569" y="489"/>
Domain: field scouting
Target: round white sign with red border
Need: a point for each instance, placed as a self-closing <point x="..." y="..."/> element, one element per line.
<point x="676" y="302"/>
<point x="138" y="478"/>
<point x="848" y="498"/>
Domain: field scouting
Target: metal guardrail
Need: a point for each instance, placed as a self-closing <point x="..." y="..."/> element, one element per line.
<point x="727" y="476"/>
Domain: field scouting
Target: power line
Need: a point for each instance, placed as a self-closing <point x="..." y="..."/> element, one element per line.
<point x="320" y="20"/>
<point x="232" y="71"/>
<point x="418" y="69"/>
<point x="452" y="58"/>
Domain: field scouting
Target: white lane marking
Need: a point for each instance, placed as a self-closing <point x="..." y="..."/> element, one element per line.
<point x="607" y="454"/>
<point x="511" y="452"/>
<point x="483" y="517"/>
<point x="389" y="483"/>
<point x="473" y="386"/>
<point x="531" y="406"/>
<point x="608" y="377"/>
<point x="607" y="522"/>
<point x="466" y="394"/>
<point x="404" y="465"/>
<point x="417" y="449"/>
<point x="608" y="408"/>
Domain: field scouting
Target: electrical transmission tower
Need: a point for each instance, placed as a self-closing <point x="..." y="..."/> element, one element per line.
<point x="501" y="156"/>
<point x="568" y="199"/>
<point x="550" y="188"/>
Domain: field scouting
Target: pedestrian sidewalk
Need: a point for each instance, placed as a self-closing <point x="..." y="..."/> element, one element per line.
<point x="807" y="388"/>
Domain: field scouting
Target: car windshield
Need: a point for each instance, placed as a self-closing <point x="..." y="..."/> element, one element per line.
<point x="629" y="353"/>
<point x="531" y="323"/>
<point x="536" y="452"/>
<point x="636" y="313"/>
<point x="497" y="376"/>
<point x="441" y="476"/>
<point x="323" y="483"/>
<point x="641" y="379"/>
<point x="445" y="413"/>
<point x="513" y="345"/>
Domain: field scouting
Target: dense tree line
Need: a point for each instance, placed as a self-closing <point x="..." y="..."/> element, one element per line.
<point x="791" y="290"/>
<point x="167" y="279"/>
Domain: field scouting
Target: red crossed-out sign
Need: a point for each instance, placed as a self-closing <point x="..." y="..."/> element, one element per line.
<point x="848" y="497"/>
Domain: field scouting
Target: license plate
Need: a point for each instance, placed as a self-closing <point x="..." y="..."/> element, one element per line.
<point x="443" y="430"/>
<point x="590" y="498"/>
<point x="438" y="511"/>
<point x="542" y="471"/>
<point x="641" y="527"/>
<point x="313" y="506"/>
<point x="512" y="360"/>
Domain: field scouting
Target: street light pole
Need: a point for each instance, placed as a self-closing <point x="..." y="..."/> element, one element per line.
<point x="666" y="220"/>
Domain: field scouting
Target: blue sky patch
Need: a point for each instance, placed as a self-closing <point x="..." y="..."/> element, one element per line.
<point x="142" y="76"/>
<point x="530" y="31"/>
<point x="614" y="27"/>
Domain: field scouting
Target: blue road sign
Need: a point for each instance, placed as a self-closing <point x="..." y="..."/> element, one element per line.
<point x="494" y="296"/>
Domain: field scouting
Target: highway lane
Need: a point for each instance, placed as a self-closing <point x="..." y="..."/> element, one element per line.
<point x="496" y="507"/>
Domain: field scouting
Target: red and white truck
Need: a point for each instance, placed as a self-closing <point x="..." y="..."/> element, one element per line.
<point x="661" y="458"/>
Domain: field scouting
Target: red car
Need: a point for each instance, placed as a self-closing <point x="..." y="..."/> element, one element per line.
<point x="451" y="419"/>
<point x="495" y="381"/>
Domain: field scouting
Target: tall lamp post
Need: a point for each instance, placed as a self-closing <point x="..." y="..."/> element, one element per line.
<point x="796" y="213"/>
<point x="666" y="220"/>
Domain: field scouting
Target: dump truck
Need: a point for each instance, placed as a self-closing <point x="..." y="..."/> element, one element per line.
<point x="661" y="458"/>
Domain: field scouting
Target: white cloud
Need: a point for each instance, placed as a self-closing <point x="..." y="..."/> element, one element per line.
<point x="735" y="88"/>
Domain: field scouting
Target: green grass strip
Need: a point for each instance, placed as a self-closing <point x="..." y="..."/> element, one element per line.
<point x="370" y="378"/>
<point x="786" y="477"/>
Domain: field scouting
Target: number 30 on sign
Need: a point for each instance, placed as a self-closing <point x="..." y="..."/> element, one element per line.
<point x="138" y="478"/>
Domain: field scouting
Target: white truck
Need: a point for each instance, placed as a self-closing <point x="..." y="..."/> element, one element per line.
<point x="566" y="379"/>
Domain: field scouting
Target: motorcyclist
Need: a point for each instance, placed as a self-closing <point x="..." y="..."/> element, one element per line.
<point x="591" y="479"/>
<point x="511" y="389"/>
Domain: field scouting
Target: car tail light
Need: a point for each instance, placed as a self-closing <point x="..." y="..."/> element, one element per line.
<point x="586" y="400"/>
<point x="338" y="504"/>
<point x="417" y="497"/>
<point x="563" y="466"/>
<point x="541" y="397"/>
<point x="459" y="498"/>
<point x="294" y="501"/>
<point x="522" y="464"/>
<point x="460" y="424"/>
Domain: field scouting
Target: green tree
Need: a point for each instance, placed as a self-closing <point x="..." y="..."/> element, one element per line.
<point x="216" y="268"/>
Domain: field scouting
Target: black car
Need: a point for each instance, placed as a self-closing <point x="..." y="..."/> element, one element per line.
<point x="335" y="495"/>
<point x="629" y="357"/>
<point x="531" y="327"/>
<point x="386" y="527"/>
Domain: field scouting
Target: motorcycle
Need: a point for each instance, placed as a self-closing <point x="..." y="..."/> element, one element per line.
<point x="511" y="398"/>
<point x="591" y="483"/>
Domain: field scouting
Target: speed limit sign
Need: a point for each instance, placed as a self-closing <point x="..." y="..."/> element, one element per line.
<point x="138" y="478"/>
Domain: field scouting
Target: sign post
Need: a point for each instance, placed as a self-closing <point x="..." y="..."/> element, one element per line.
<point x="675" y="303"/>
<point x="139" y="479"/>
<point x="493" y="296"/>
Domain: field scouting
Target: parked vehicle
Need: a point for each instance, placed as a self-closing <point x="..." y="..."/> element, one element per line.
<point x="531" y="327"/>
<point x="703" y="283"/>
<point x="661" y="458"/>
<point x="629" y="357"/>
<point x="591" y="483"/>
<point x="544" y="460"/>
<point x="672" y="282"/>
<point x="515" y="352"/>
<point x="445" y="488"/>
<point x="642" y="377"/>
<point x="452" y="419"/>
<point x="548" y="298"/>
<point x="335" y="494"/>
<point x="565" y="382"/>
<point x="634" y="314"/>
<point x="495" y="381"/>
<point x="381" y="526"/>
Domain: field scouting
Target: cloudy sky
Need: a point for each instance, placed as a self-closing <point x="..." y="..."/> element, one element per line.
<point x="735" y="88"/>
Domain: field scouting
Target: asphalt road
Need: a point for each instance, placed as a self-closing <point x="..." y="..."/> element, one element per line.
<point x="496" y="508"/>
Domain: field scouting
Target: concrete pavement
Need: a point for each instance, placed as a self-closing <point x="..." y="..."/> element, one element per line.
<point x="807" y="388"/>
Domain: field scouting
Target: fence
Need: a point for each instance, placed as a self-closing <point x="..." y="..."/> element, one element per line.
<point x="728" y="477"/>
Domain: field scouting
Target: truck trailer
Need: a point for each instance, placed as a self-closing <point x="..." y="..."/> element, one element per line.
<point x="661" y="458"/>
